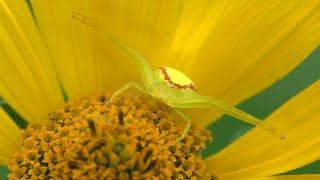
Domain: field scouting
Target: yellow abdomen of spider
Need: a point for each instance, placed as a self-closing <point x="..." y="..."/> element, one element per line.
<point x="171" y="84"/>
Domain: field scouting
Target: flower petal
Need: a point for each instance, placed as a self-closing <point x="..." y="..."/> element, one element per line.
<point x="199" y="38"/>
<point x="259" y="154"/>
<point x="28" y="81"/>
<point x="9" y="134"/>
<point x="142" y="25"/>
<point x="85" y="60"/>
<point x="69" y="47"/>
<point x="243" y="47"/>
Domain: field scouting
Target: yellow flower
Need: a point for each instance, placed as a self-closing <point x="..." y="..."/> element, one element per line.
<point x="240" y="47"/>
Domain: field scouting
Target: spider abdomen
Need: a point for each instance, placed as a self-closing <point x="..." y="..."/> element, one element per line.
<point x="172" y="84"/>
<point x="176" y="79"/>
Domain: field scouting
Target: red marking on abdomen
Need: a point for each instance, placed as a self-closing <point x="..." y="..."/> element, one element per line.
<point x="178" y="86"/>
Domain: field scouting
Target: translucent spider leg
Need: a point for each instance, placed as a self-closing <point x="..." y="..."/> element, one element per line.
<point x="144" y="68"/>
<point x="196" y="101"/>
<point x="125" y="87"/>
<point x="188" y="126"/>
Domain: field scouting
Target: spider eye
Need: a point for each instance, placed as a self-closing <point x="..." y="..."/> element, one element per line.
<point x="176" y="79"/>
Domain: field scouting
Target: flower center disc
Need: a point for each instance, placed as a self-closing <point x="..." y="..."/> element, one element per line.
<point x="130" y="138"/>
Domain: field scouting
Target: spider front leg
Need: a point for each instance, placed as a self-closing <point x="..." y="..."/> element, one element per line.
<point x="143" y="65"/>
<point x="188" y="126"/>
<point x="125" y="87"/>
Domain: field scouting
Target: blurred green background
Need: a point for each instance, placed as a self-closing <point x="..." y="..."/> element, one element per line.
<point x="227" y="129"/>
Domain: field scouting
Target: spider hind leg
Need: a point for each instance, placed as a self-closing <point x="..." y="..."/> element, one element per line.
<point x="196" y="101"/>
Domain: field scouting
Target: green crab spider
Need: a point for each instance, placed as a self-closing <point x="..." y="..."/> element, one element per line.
<point x="172" y="87"/>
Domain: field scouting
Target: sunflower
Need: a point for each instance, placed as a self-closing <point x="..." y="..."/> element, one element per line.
<point x="232" y="50"/>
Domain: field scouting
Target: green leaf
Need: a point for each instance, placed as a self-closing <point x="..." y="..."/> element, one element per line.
<point x="3" y="172"/>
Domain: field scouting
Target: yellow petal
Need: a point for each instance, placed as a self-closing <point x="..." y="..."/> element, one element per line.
<point x="258" y="154"/>
<point x="85" y="60"/>
<point x="144" y="26"/>
<point x="289" y="177"/>
<point x="242" y="47"/>
<point x="70" y="47"/>
<point x="28" y="81"/>
<point x="9" y="134"/>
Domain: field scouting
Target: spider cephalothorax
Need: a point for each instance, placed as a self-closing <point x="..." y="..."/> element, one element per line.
<point x="172" y="86"/>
